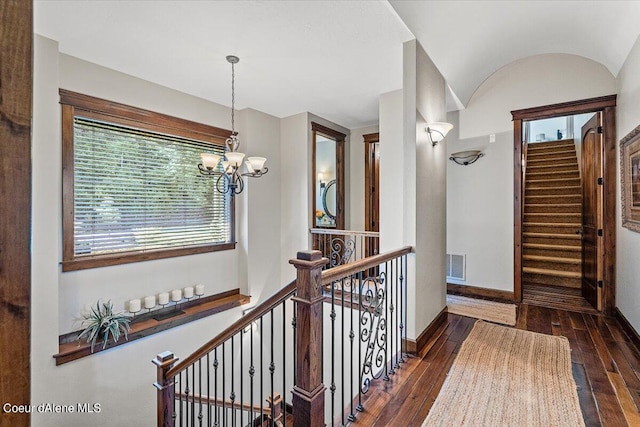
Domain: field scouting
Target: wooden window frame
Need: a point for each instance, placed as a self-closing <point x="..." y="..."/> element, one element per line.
<point x="128" y="116"/>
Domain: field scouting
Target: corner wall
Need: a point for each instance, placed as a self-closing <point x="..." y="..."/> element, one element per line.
<point x="628" y="242"/>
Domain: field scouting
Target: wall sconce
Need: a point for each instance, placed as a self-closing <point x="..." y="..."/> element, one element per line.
<point x="321" y="179"/>
<point x="465" y="158"/>
<point x="437" y="131"/>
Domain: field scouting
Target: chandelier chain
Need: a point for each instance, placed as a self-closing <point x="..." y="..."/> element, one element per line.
<point x="233" y="98"/>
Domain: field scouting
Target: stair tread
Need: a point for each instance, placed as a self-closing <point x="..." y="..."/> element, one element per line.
<point x="540" y="152"/>
<point x="562" y="260"/>
<point x="552" y="247"/>
<point x="552" y="179"/>
<point x="552" y="204"/>
<point x="548" y="272"/>
<point x="541" y="159"/>
<point x="552" y="235"/>
<point x="553" y="213"/>
<point x="552" y="188"/>
<point x="553" y="166"/>
<point x="552" y="224"/>
<point x="552" y="172"/>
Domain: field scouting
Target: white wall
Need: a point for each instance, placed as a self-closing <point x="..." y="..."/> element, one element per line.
<point x="356" y="190"/>
<point x="530" y="82"/>
<point x="480" y="196"/>
<point x="121" y="379"/>
<point x="628" y="242"/>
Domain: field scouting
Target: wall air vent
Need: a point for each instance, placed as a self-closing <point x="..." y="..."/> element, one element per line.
<point x="456" y="266"/>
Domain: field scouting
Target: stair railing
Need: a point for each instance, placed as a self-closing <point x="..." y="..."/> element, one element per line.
<point x="242" y="377"/>
<point x="344" y="246"/>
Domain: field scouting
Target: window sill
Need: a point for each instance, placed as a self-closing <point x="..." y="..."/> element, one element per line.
<point x="144" y="325"/>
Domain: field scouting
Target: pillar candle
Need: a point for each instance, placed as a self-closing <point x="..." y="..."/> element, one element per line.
<point x="150" y="301"/>
<point x="199" y="289"/>
<point x="176" y="295"/>
<point x="134" y="305"/>
<point x="163" y="298"/>
<point x="188" y="291"/>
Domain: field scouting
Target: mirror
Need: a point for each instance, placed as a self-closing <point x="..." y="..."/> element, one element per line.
<point x="328" y="173"/>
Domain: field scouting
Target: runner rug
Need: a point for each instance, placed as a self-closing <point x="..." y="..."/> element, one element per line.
<point x="496" y="312"/>
<point x="508" y="377"/>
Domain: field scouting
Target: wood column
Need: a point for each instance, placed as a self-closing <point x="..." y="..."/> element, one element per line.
<point x="308" y="392"/>
<point x="166" y="393"/>
<point x="16" y="75"/>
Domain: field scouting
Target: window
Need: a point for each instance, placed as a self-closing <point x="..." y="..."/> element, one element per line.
<point x="131" y="187"/>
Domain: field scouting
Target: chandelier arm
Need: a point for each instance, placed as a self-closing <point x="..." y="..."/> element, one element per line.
<point x="256" y="174"/>
<point x="222" y="179"/>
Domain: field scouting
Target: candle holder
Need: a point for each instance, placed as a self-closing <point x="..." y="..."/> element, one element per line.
<point x="176" y="297"/>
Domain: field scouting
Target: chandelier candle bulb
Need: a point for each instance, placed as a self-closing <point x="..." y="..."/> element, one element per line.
<point x="149" y="301"/>
<point x="188" y="292"/>
<point x="199" y="290"/>
<point x="176" y="295"/>
<point x="163" y="298"/>
<point x="134" y="305"/>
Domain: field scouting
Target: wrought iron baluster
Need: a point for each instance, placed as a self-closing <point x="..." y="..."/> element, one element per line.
<point x="224" y="394"/>
<point x="383" y="319"/>
<point x="272" y="366"/>
<point x="284" y="363"/>
<point x="403" y="287"/>
<point x="261" y="370"/>
<point x="215" y="387"/>
<point x="252" y="371"/>
<point x="187" y="392"/>
<point x="241" y="375"/>
<point x="179" y="399"/>
<point x="200" y="392"/>
<point x="208" y="391"/>
<point x="352" y="416"/>
<point x="342" y="386"/>
<point x="360" y="408"/>
<point x="232" y="395"/>
<point x="332" y="316"/>
<point x="390" y="341"/>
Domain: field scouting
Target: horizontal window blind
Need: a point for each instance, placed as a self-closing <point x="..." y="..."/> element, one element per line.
<point x="138" y="191"/>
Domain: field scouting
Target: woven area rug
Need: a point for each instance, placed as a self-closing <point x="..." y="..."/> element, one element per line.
<point x="491" y="311"/>
<point x="508" y="377"/>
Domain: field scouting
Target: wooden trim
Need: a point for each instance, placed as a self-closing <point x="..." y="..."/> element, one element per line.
<point x="609" y="163"/>
<point x="371" y="137"/>
<point x="102" y="109"/>
<point x="565" y="108"/>
<point x="518" y="201"/>
<point x="425" y="340"/>
<point x="606" y="104"/>
<point x="81" y="263"/>
<point x="68" y="174"/>
<point x="235" y="328"/>
<point x="482" y="293"/>
<point x="328" y="132"/>
<point x="16" y="94"/>
<point x="145" y="325"/>
<point x="627" y="328"/>
<point x="339" y="138"/>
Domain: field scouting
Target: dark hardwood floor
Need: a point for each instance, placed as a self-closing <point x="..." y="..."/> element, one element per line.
<point x="606" y="367"/>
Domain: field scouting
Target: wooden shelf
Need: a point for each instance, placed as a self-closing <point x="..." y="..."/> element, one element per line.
<point x="144" y="325"/>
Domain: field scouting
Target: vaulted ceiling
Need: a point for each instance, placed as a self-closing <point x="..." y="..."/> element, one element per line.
<point x="332" y="58"/>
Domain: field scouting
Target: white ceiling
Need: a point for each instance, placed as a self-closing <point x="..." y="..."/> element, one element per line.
<point x="332" y="58"/>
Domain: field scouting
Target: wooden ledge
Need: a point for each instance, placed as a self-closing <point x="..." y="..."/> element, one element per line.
<point x="144" y="325"/>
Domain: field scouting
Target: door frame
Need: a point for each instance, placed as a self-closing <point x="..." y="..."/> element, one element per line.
<point x="607" y="105"/>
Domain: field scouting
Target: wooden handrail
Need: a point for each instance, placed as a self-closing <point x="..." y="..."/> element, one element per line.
<point x="345" y="270"/>
<point x="235" y="328"/>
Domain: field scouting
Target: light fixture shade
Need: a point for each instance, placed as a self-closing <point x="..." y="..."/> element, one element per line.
<point x="257" y="163"/>
<point x="209" y="161"/>
<point x="235" y="158"/>
<point x="438" y="130"/>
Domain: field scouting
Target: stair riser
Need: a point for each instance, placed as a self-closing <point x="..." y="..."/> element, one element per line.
<point x="552" y="174"/>
<point x="546" y="228"/>
<point x="571" y="208"/>
<point x="553" y="168"/>
<point x="552" y="218"/>
<point x="567" y="182"/>
<point x="548" y="265"/>
<point x="551" y="191"/>
<point x="556" y="198"/>
<point x="552" y="280"/>
<point x="550" y="146"/>
<point x="568" y="241"/>
<point x="551" y="161"/>
<point x="550" y="154"/>
<point x="548" y="252"/>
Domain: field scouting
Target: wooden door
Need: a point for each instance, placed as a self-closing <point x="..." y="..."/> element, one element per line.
<point x="371" y="191"/>
<point x="592" y="202"/>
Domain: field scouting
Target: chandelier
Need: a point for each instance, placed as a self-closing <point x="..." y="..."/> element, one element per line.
<point x="230" y="173"/>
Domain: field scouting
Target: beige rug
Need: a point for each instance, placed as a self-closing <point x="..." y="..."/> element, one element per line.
<point x="508" y="377"/>
<point x="491" y="311"/>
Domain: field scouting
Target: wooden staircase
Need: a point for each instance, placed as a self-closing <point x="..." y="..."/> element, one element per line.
<point x="552" y="250"/>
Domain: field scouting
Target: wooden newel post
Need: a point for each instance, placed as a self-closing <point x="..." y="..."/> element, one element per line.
<point x="166" y="398"/>
<point x="308" y="392"/>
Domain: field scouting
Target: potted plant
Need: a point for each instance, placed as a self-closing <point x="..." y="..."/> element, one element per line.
<point x="102" y="322"/>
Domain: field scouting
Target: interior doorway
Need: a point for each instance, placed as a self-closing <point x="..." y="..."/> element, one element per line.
<point x="371" y="190"/>
<point x="564" y="203"/>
